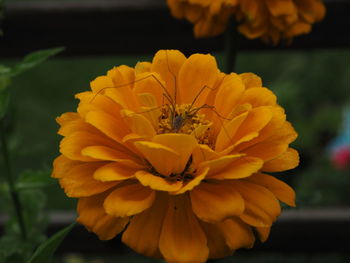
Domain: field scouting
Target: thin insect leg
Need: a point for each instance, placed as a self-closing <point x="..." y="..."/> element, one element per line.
<point x="168" y="96"/>
<point x="194" y="111"/>
<point x="120" y="86"/>
<point x="198" y="94"/>
<point x="222" y="123"/>
<point x="174" y="76"/>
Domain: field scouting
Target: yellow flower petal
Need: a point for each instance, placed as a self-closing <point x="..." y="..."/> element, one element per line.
<point x="62" y="165"/>
<point x="258" y="97"/>
<point x="220" y="163"/>
<point x="227" y="132"/>
<point x="150" y="108"/>
<point x="104" y="153"/>
<point x="151" y="83"/>
<point x="128" y="200"/>
<point x="263" y="233"/>
<point x="228" y="94"/>
<point x="79" y="181"/>
<point x="138" y="124"/>
<point x="183" y="144"/>
<point x="237" y="234"/>
<point x="143" y="232"/>
<point x="216" y="201"/>
<point x="194" y="182"/>
<point x="124" y="79"/>
<point x="112" y="127"/>
<point x="94" y="218"/>
<point x="156" y="182"/>
<point x="251" y="80"/>
<point x="286" y="161"/>
<point x="215" y="241"/>
<point x="76" y="125"/>
<point x="67" y="117"/>
<point x="101" y="83"/>
<point x="190" y="87"/>
<point x="280" y="8"/>
<point x="256" y="120"/>
<point x="160" y="157"/>
<point x="261" y="206"/>
<point x="182" y="239"/>
<point x="266" y="151"/>
<point x="203" y="153"/>
<point x="280" y="189"/>
<point x="97" y="102"/>
<point x="167" y="64"/>
<point x="72" y="145"/>
<point x="114" y="172"/>
<point x="142" y="67"/>
<point x="241" y="168"/>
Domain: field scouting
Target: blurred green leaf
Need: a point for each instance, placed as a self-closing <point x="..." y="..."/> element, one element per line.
<point x="34" y="179"/>
<point x="4" y="70"/>
<point x="45" y="251"/>
<point x="13" y="249"/>
<point x="34" y="59"/>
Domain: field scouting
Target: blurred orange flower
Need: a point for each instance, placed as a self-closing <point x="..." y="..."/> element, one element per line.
<point x="175" y="153"/>
<point x="270" y="20"/>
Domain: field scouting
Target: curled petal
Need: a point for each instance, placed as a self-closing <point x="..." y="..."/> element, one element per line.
<point x="261" y="206"/>
<point x="156" y="182"/>
<point x="79" y="181"/>
<point x="114" y="172"/>
<point x="128" y="200"/>
<point x="216" y="201"/>
<point x="161" y="157"/>
<point x="241" y="168"/>
<point x="280" y="189"/>
<point x="94" y="218"/>
<point x="237" y="233"/>
<point x="286" y="161"/>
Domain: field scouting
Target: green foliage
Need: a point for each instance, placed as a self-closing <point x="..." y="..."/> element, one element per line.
<point x="6" y="73"/>
<point x="21" y="197"/>
<point x="34" y="179"/>
<point x="45" y="251"/>
<point x="33" y="60"/>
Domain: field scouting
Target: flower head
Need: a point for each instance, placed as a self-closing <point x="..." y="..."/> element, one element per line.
<point x="175" y="153"/>
<point x="270" y="20"/>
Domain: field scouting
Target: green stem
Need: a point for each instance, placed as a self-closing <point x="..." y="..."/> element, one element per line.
<point x="232" y="36"/>
<point x="9" y="179"/>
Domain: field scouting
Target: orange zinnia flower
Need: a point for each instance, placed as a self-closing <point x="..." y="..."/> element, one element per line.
<point x="270" y="20"/>
<point x="175" y="152"/>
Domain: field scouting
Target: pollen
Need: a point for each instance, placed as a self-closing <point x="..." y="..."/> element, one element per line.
<point x="184" y="119"/>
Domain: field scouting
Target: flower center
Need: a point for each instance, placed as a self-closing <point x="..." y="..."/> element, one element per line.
<point x="184" y="119"/>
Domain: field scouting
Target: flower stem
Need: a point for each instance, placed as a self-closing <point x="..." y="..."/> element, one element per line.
<point x="231" y="46"/>
<point x="9" y="179"/>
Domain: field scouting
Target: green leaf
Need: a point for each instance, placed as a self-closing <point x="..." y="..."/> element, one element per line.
<point x="4" y="70"/>
<point x="34" y="179"/>
<point x="34" y="59"/>
<point x="45" y="251"/>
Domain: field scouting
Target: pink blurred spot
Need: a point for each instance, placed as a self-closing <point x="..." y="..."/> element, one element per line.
<point x="341" y="157"/>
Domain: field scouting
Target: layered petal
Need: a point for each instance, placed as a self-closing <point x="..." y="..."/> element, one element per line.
<point x="216" y="201"/>
<point x="128" y="200"/>
<point x="261" y="206"/>
<point x="182" y="238"/>
<point x="94" y="218"/>
<point x="143" y="232"/>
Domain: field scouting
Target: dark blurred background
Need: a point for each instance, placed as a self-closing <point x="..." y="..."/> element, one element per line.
<point x="312" y="84"/>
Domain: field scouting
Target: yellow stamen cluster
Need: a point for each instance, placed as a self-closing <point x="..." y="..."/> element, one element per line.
<point x="183" y="119"/>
